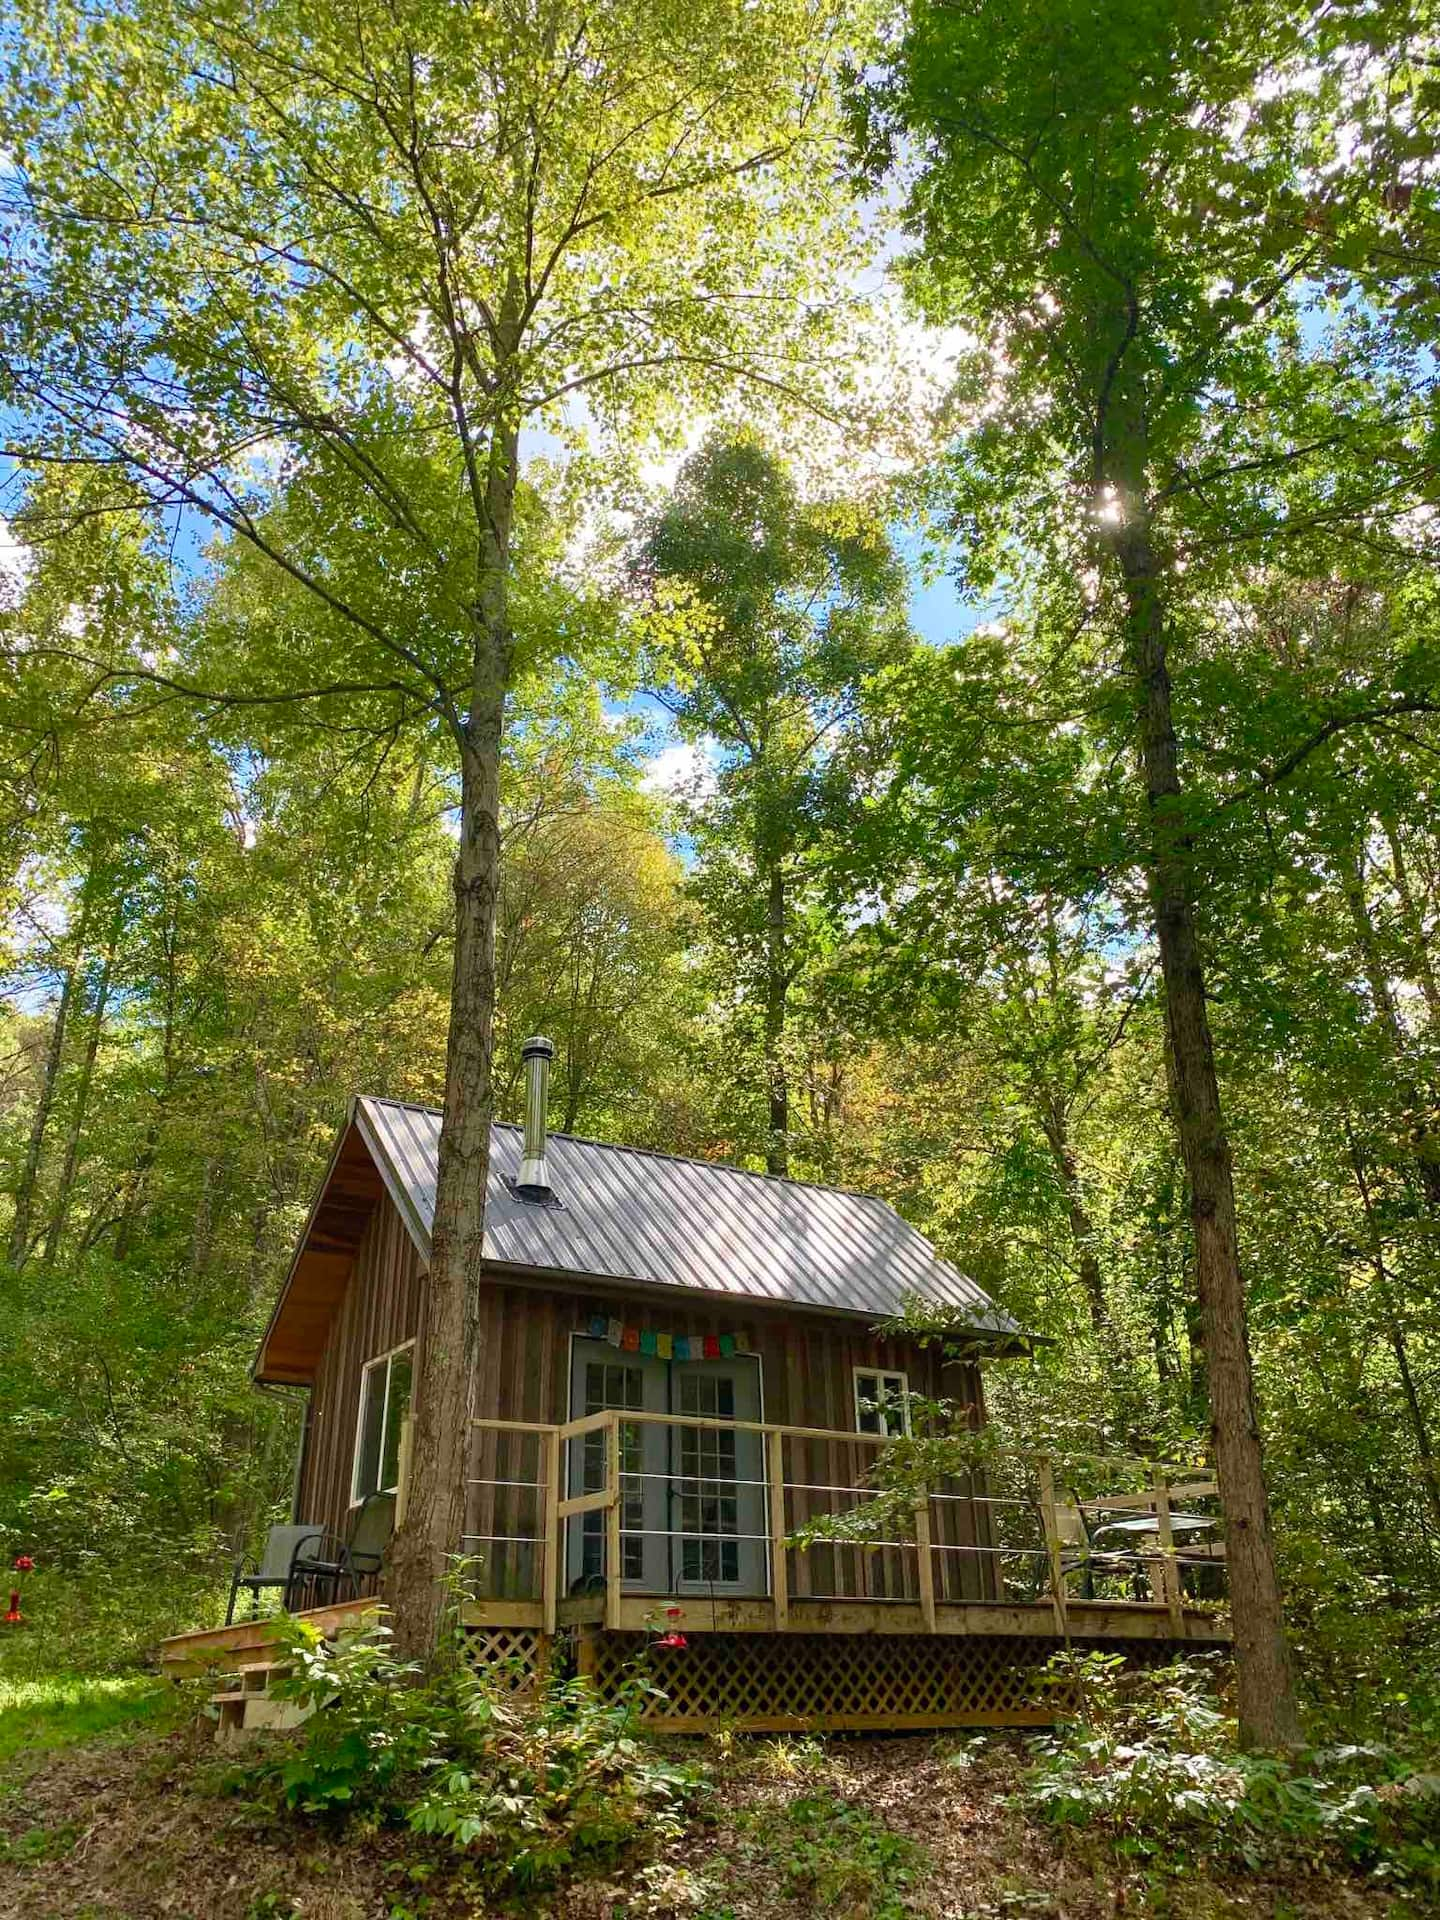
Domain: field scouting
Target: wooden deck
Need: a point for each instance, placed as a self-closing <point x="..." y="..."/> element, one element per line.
<point x="968" y="1559"/>
<point x="1085" y="1620"/>
<point x="248" y="1643"/>
<point x="980" y="1584"/>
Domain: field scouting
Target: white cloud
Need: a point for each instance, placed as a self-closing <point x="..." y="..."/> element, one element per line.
<point x="684" y="768"/>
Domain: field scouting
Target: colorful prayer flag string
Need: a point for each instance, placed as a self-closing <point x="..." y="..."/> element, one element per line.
<point x="666" y="1346"/>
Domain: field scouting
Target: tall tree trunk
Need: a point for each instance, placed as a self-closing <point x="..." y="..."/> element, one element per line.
<point x="1395" y="1332"/>
<point x="133" y="1191"/>
<point x="60" y="1213"/>
<point x="448" y="1358"/>
<point x="1269" y="1716"/>
<point x="1082" y="1228"/>
<point x="1423" y="1142"/>
<point x="27" y="1185"/>
<point x="777" y="988"/>
<point x="1414" y="924"/>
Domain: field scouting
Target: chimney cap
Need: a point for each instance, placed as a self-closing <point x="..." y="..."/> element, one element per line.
<point x="538" y="1044"/>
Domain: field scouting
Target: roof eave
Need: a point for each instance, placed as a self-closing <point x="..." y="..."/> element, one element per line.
<point x="669" y="1290"/>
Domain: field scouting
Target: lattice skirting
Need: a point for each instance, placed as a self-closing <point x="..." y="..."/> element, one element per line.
<point x="783" y="1683"/>
<point x="517" y="1656"/>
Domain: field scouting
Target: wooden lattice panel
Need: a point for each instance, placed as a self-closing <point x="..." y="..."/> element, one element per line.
<point x="515" y="1655"/>
<point x="769" y="1683"/>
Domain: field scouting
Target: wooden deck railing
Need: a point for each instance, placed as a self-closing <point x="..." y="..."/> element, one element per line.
<point x="1015" y="1530"/>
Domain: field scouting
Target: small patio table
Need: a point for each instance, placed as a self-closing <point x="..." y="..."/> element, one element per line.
<point x="1187" y="1530"/>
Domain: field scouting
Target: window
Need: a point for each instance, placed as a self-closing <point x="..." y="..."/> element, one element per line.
<point x="882" y="1403"/>
<point x="612" y="1384"/>
<point x="709" y="1495"/>
<point x="384" y="1403"/>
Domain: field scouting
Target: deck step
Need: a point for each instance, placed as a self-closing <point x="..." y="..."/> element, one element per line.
<point x="242" y="1714"/>
<point x="251" y="1679"/>
<point x="249" y="1642"/>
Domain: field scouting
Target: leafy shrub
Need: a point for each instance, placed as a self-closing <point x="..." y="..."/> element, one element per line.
<point x="529" y="1786"/>
<point x="1150" y="1761"/>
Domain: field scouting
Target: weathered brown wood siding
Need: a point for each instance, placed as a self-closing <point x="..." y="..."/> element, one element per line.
<point x="381" y="1309"/>
<point x="806" y="1373"/>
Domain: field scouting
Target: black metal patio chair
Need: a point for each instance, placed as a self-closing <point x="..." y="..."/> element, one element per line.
<point x="326" y="1567"/>
<point x="320" y="1572"/>
<point x="270" y="1571"/>
<point x="370" y="1534"/>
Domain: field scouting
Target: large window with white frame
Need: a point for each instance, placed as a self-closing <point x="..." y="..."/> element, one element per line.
<point x="384" y="1403"/>
<point x="882" y="1402"/>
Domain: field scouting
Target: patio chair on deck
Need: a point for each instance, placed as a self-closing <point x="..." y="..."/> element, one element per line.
<point x="272" y="1569"/>
<point x="370" y="1533"/>
<point x="326" y="1568"/>
<point x="1078" y="1552"/>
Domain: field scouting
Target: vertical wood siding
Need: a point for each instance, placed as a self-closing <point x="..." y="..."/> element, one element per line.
<point x="382" y="1308"/>
<point x="806" y="1380"/>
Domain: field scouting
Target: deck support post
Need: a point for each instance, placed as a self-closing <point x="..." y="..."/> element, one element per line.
<point x="1050" y="1520"/>
<point x="613" y="1567"/>
<point x="924" y="1562"/>
<point x="775" y="1492"/>
<point x="1169" y="1572"/>
<point x="550" y="1557"/>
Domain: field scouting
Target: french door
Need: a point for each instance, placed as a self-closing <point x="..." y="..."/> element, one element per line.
<point x="602" y="1379"/>
<point x="717" y="1475"/>
<point x="692" y="1498"/>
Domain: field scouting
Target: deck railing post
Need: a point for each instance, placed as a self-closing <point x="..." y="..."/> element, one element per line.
<point x="612" y="1524"/>
<point x="550" y="1558"/>
<point x="775" y="1490"/>
<point x="402" y="1472"/>
<point x="1050" y="1520"/>
<point x="1169" y="1572"/>
<point x="925" y="1564"/>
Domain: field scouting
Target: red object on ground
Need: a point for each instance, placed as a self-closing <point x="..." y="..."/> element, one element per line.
<point x="14" y="1618"/>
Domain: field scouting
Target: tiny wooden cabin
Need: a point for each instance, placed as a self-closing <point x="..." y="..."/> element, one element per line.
<point x="681" y="1368"/>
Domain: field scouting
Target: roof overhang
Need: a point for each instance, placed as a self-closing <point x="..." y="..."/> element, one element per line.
<point x="320" y="1269"/>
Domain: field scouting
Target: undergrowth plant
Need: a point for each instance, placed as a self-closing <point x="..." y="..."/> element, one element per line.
<point x="838" y="1858"/>
<point x="529" y="1786"/>
<point x="1149" y="1763"/>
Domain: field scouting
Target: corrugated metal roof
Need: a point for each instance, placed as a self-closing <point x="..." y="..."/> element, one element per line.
<point x="629" y="1214"/>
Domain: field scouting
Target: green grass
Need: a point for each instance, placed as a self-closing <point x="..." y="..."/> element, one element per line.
<point x="67" y="1709"/>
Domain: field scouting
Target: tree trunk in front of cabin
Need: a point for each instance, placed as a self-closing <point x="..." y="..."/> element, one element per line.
<point x="777" y="987"/>
<point x="443" y="1400"/>
<point x="1269" y="1715"/>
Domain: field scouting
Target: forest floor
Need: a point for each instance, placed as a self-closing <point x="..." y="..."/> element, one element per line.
<point x="139" y="1817"/>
